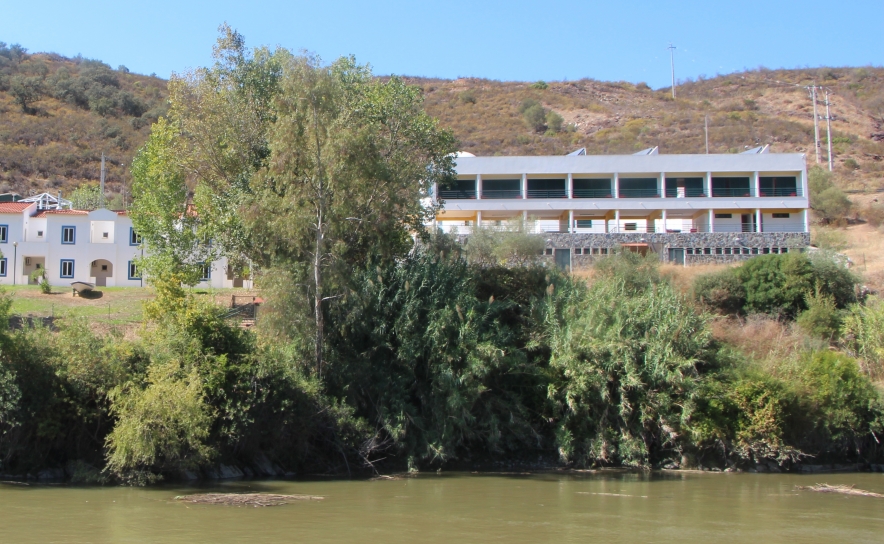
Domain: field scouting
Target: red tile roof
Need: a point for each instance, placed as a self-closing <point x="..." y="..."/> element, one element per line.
<point x="44" y="213"/>
<point x="14" y="207"/>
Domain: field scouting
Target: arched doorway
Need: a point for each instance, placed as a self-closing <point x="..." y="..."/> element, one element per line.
<point x="102" y="270"/>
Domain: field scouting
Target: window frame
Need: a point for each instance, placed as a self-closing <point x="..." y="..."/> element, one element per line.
<point x="4" y="230"/>
<point x="4" y="267"/>
<point x="207" y="272"/>
<point x="134" y="236"/>
<point x="131" y="266"/>
<point x="73" y="235"/>
<point x="61" y="273"/>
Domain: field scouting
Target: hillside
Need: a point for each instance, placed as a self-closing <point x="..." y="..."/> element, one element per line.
<point x="57" y="115"/>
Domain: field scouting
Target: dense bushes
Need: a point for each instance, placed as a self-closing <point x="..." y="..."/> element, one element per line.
<point x="777" y="285"/>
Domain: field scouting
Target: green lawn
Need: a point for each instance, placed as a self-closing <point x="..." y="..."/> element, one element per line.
<point x="112" y="305"/>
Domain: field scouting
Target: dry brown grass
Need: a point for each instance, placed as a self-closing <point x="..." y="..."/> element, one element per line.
<point x="865" y="247"/>
<point x="771" y="343"/>
<point x="682" y="277"/>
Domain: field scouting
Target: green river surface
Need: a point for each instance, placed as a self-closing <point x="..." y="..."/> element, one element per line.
<point x="462" y="507"/>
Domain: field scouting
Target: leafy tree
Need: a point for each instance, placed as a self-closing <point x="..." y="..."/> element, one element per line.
<point x="535" y="118"/>
<point x="722" y="291"/>
<point x="554" y="122"/>
<point x="26" y="90"/>
<point x="87" y="197"/>
<point x="776" y="284"/>
<point x="826" y="199"/>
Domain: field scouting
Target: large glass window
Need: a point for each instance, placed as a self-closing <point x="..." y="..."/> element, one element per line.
<point x="134" y="273"/>
<point x="4" y="234"/>
<point x="779" y="186"/>
<point x="501" y="188"/>
<point x="731" y="186"/>
<point x="547" y="188"/>
<point x="638" y="187"/>
<point x="134" y="237"/>
<point x="592" y="188"/>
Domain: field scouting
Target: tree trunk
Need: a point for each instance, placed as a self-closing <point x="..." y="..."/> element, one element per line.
<point x="317" y="280"/>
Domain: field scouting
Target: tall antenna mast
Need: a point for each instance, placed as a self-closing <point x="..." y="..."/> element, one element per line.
<point x="103" y="173"/>
<point x="672" y="64"/>
<point x="816" y="124"/>
<point x="829" y="129"/>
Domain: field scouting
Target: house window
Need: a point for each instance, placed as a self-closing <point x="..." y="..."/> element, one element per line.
<point x="724" y="215"/>
<point x="784" y="250"/>
<point x="134" y="273"/>
<point x="549" y="251"/>
<point x="718" y="251"/>
<point x="587" y="251"/>
<point x="67" y="268"/>
<point x="3" y="267"/>
<point x="207" y="272"/>
<point x="727" y="251"/>
<point x="104" y="235"/>
<point x="39" y="234"/>
<point x="578" y="251"/>
<point x="766" y="251"/>
<point x="68" y="235"/>
<point x="630" y="226"/>
<point x="583" y="223"/>
<point x="4" y="234"/>
<point x="781" y="216"/>
<point x="689" y="251"/>
<point x="707" y="251"/>
<point x="134" y="237"/>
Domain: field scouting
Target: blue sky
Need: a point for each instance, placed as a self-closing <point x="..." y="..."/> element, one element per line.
<point x="505" y="40"/>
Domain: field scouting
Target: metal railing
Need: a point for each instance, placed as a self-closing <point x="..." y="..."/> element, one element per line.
<point x="780" y="191"/>
<point x="493" y="194"/>
<point x="730" y="192"/>
<point x="454" y="194"/>
<point x="638" y="193"/>
<point x="687" y="192"/>
<point x="547" y="193"/>
<point x="592" y="193"/>
<point x="650" y="229"/>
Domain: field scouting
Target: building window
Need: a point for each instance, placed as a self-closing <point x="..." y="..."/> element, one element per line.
<point x="4" y="234"/>
<point x="718" y="251"/>
<point x="630" y="226"/>
<point x="689" y="251"/>
<point x="549" y="251"/>
<point x="67" y="268"/>
<point x="583" y="223"/>
<point x="766" y="251"/>
<point x="723" y="216"/>
<point x="105" y="235"/>
<point x="3" y="267"/>
<point x="727" y="251"/>
<point x="707" y="251"/>
<point x="781" y="216"/>
<point x="134" y="273"/>
<point x="784" y="250"/>
<point x="207" y="272"/>
<point x="134" y="237"/>
<point x="578" y="251"/>
<point x="604" y="251"/>
<point x="587" y="250"/>
<point x="68" y="235"/>
<point x="39" y="234"/>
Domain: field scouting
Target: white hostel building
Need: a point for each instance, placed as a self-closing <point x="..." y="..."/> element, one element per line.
<point x="98" y="246"/>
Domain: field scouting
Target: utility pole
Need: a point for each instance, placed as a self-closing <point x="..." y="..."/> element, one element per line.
<point x="103" y="173"/>
<point x="829" y="130"/>
<point x="816" y="124"/>
<point x="707" y="133"/>
<point x="672" y="64"/>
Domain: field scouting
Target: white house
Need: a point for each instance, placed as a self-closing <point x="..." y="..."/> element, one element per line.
<point x="98" y="246"/>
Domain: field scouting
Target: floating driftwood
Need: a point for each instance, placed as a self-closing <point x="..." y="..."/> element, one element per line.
<point x="245" y="499"/>
<point x="842" y="489"/>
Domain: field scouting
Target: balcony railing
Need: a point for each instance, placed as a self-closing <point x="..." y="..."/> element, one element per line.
<point x="781" y="191"/>
<point x="454" y="194"/>
<point x="686" y="192"/>
<point x="493" y="194"/>
<point x="639" y="193"/>
<point x="622" y="229"/>
<point x="730" y="192"/>
<point x="592" y="193"/>
<point x="547" y="193"/>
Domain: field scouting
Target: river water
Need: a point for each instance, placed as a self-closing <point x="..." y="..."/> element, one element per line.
<point x="462" y="507"/>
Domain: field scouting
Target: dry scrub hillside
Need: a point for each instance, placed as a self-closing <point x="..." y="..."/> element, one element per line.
<point x="744" y="110"/>
<point x="57" y="116"/>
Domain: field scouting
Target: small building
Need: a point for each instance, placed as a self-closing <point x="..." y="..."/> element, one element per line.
<point x="687" y="208"/>
<point x="98" y="246"/>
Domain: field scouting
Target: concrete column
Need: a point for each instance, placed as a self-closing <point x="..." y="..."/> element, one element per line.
<point x="435" y="193"/>
<point x="479" y="187"/>
<point x="607" y="228"/>
<point x="707" y="184"/>
<point x="571" y="221"/>
<point x="756" y="183"/>
<point x="569" y="185"/>
<point x="711" y="220"/>
<point x="663" y="219"/>
<point x="758" y="227"/>
<point x="617" y="220"/>
<point x="616" y="187"/>
<point x="806" y="219"/>
<point x="524" y="186"/>
<point x="661" y="185"/>
<point x="478" y="219"/>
